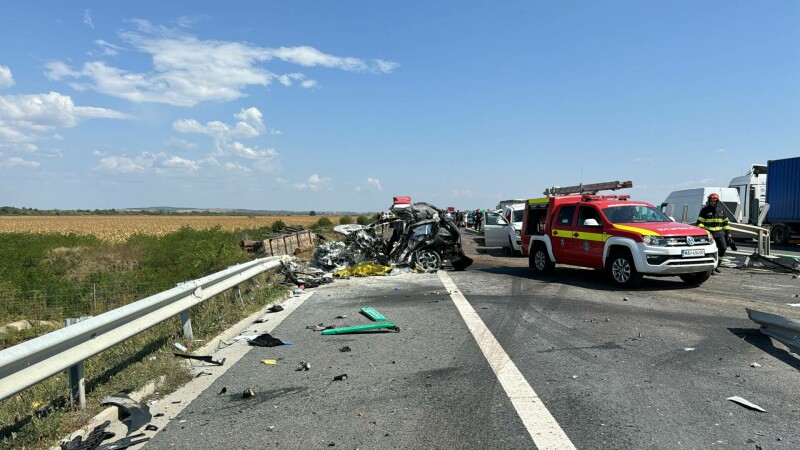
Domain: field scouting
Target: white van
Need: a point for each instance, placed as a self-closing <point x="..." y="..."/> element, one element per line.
<point x="684" y="206"/>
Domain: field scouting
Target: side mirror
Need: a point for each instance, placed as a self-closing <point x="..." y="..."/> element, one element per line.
<point x="591" y="223"/>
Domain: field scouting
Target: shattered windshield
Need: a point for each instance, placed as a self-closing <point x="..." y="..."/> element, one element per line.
<point x="634" y="214"/>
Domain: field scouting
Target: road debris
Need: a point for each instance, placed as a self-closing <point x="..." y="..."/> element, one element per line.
<point x="125" y="442"/>
<point x="372" y="314"/>
<point x="248" y="393"/>
<point x="180" y="347"/>
<point x="223" y="390"/>
<point x="755" y="364"/>
<point x="266" y="340"/>
<point x="92" y="440"/>
<point x="360" y="328"/>
<point x="276" y="308"/>
<point x="341" y="377"/>
<point x="134" y="415"/>
<point x="209" y="359"/>
<point x="746" y="404"/>
<point x="304" y="366"/>
<point x="151" y="428"/>
<point x="689" y="349"/>
<point x="345" y="349"/>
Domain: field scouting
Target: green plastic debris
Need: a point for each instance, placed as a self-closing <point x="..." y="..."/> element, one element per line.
<point x="358" y="328"/>
<point x="373" y="314"/>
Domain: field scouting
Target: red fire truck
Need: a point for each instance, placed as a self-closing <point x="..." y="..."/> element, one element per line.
<point x="627" y="238"/>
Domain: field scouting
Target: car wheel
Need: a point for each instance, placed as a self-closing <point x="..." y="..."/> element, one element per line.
<point x="695" y="279"/>
<point x="622" y="270"/>
<point x="427" y="260"/>
<point x="540" y="261"/>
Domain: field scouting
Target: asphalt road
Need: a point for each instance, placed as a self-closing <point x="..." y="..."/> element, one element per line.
<point x="648" y="368"/>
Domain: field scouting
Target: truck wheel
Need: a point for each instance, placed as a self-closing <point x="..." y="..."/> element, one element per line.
<point x="539" y="260"/>
<point x="780" y="234"/>
<point x="427" y="260"/>
<point x="695" y="279"/>
<point x="622" y="270"/>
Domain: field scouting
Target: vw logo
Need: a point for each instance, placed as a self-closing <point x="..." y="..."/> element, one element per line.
<point x="689" y="241"/>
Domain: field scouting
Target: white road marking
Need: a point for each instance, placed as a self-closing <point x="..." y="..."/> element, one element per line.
<point x="541" y="425"/>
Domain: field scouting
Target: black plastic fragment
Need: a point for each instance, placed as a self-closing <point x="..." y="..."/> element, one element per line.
<point x="134" y="415"/>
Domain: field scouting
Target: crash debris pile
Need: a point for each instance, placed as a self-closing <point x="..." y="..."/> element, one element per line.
<point x="422" y="238"/>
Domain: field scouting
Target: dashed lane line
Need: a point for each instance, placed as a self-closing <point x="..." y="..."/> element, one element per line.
<point x="541" y="425"/>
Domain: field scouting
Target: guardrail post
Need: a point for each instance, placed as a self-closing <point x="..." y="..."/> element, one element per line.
<point x="187" y="325"/>
<point x="77" y="381"/>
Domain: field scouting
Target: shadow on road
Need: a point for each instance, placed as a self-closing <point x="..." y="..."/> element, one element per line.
<point x="588" y="278"/>
<point x="763" y="342"/>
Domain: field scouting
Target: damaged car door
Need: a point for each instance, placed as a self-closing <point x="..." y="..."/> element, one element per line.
<point x="495" y="230"/>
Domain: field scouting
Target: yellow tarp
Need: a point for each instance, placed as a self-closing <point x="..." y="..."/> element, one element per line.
<point x="364" y="269"/>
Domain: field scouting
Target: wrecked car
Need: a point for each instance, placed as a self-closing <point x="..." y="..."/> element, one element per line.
<point x="421" y="237"/>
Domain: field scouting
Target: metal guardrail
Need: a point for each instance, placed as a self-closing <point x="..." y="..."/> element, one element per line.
<point x="761" y="235"/>
<point x="785" y="330"/>
<point x="31" y="362"/>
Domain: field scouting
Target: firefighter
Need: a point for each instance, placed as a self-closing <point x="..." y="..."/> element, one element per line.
<point x="713" y="218"/>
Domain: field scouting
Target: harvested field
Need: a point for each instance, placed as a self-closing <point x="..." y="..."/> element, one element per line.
<point x="119" y="228"/>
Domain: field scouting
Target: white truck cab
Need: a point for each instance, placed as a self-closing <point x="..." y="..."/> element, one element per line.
<point x="752" y="189"/>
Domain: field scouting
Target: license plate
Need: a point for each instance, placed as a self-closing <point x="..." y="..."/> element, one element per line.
<point x="691" y="253"/>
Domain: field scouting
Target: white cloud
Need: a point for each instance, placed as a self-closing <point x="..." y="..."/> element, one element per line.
<point x="24" y="118"/>
<point x="250" y="124"/>
<point x="106" y="49"/>
<point x="176" y="161"/>
<point x="6" y="78"/>
<point x="87" y="18"/>
<point x="16" y="161"/>
<point x="314" y="183"/>
<point x="375" y="182"/>
<point x="187" y="70"/>
<point x="236" y="167"/>
<point x="719" y="150"/>
<point x="125" y="164"/>
<point x="180" y="144"/>
<point x="238" y="149"/>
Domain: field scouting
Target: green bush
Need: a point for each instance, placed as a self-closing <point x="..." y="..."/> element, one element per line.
<point x="363" y="220"/>
<point x="278" y="225"/>
<point x="344" y="220"/>
<point x="324" y="222"/>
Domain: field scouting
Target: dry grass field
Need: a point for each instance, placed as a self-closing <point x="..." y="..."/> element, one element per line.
<point x="119" y="228"/>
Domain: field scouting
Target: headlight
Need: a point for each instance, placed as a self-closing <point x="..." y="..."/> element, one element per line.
<point x="654" y="240"/>
<point x="518" y="232"/>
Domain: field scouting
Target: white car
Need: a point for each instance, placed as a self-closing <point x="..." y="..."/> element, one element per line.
<point x="502" y="228"/>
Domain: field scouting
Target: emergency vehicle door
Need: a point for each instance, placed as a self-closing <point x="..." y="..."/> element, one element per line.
<point x="589" y="239"/>
<point x="495" y="230"/>
<point x="561" y="234"/>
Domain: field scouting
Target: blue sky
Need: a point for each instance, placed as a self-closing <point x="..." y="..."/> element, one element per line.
<point x="342" y="105"/>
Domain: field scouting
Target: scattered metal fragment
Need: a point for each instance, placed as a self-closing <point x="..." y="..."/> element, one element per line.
<point x="151" y="428"/>
<point x="345" y="349"/>
<point x="746" y="404"/>
<point x="304" y="365"/>
<point x="689" y="349"/>
<point x="343" y="316"/>
<point x="125" y="442"/>
<point x="134" y="415"/>
<point x="360" y="328"/>
<point x="248" y="393"/>
<point x="341" y="377"/>
<point x="755" y="364"/>
<point x="209" y="359"/>
<point x="92" y="440"/>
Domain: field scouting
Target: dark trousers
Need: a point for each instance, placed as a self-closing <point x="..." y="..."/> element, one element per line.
<point x="722" y="244"/>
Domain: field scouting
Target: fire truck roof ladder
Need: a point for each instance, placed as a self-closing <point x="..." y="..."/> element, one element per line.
<point x="589" y="188"/>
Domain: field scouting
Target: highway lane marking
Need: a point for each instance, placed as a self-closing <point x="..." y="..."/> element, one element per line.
<point x="541" y="425"/>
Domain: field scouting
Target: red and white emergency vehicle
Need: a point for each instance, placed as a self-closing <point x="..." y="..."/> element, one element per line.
<point x="627" y="238"/>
